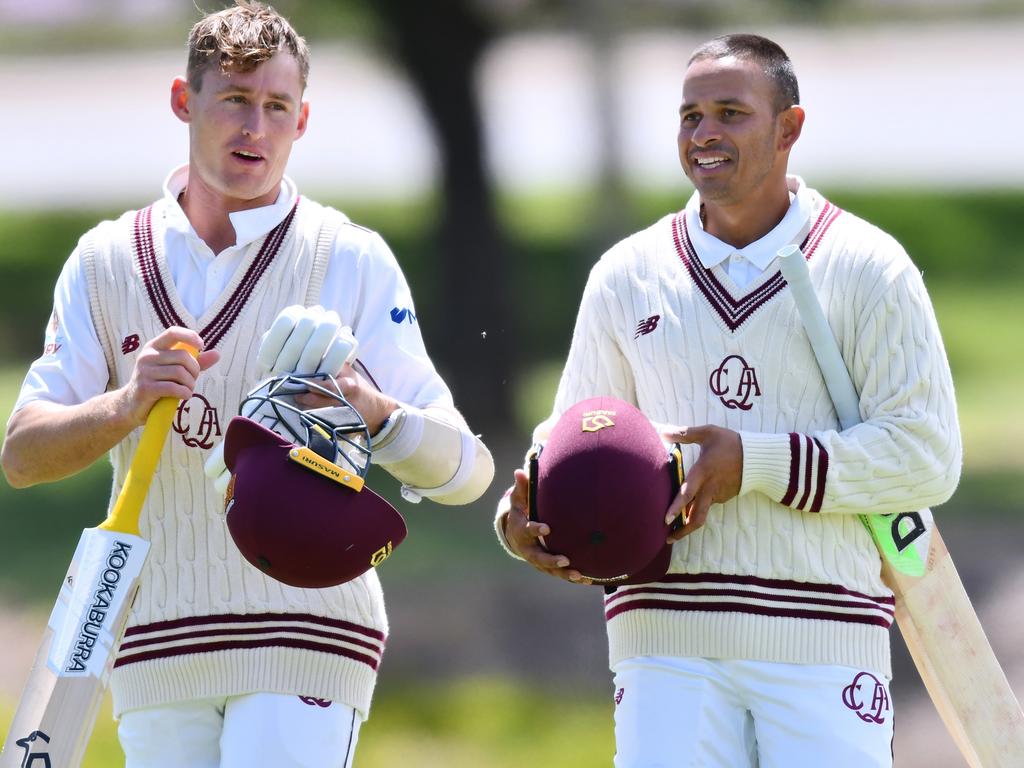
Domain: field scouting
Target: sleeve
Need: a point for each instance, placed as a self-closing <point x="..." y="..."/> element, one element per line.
<point x="596" y="364"/>
<point x="427" y="445"/>
<point x="72" y="368"/>
<point x="906" y="453"/>
<point x="365" y="285"/>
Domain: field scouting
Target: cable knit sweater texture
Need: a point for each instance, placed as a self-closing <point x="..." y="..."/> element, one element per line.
<point x="785" y="571"/>
<point x="205" y="622"/>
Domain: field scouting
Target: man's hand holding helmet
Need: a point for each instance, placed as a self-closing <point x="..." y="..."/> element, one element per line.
<point x="430" y="449"/>
<point x="301" y="340"/>
<point x="307" y="340"/>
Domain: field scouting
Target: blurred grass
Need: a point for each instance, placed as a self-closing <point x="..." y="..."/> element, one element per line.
<point x="478" y="722"/>
<point x="982" y="332"/>
<point x="486" y="723"/>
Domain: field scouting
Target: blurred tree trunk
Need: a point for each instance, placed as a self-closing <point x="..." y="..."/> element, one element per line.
<point x="439" y="44"/>
<point x="599" y="22"/>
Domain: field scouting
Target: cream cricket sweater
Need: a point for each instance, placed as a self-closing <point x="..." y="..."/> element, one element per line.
<point x="785" y="571"/>
<point x="205" y="622"/>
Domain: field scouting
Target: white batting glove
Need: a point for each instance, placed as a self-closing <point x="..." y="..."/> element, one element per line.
<point x="217" y="470"/>
<point x="307" y="340"/>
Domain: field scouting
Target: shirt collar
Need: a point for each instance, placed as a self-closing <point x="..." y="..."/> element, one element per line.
<point x="249" y="224"/>
<point x="711" y="251"/>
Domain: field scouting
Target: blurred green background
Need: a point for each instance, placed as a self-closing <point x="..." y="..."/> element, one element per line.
<point x="490" y="664"/>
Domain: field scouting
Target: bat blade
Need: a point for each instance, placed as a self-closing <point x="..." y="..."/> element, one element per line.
<point x="57" y="710"/>
<point x="54" y="719"/>
<point x="936" y="618"/>
<point x="956" y="662"/>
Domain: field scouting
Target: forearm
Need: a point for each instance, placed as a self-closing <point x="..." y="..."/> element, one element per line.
<point x="47" y="441"/>
<point x="433" y="454"/>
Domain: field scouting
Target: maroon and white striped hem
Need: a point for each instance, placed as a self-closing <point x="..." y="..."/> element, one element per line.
<point x="715" y="592"/>
<point x="808" y="469"/>
<point x="232" y="632"/>
<point x="735" y="311"/>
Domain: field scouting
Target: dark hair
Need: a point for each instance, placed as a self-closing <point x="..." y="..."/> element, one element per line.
<point x="768" y="55"/>
<point x="240" y="38"/>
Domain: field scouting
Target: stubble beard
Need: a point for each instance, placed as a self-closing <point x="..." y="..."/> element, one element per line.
<point x="733" y="190"/>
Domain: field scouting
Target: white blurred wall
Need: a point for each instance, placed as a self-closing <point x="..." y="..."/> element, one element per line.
<point x="931" y="105"/>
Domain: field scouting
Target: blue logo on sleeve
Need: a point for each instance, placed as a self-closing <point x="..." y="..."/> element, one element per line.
<point x="401" y="315"/>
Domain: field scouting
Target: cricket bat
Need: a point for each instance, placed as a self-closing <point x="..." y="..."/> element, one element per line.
<point x="58" y="707"/>
<point x="934" y="613"/>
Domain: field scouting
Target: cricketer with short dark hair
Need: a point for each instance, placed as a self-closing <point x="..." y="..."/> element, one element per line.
<point x="221" y="664"/>
<point x="767" y="640"/>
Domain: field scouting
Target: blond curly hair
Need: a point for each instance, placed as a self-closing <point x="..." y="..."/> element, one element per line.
<point x="240" y="38"/>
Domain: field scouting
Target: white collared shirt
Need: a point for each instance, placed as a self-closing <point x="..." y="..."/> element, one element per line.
<point x="744" y="265"/>
<point x="200" y="275"/>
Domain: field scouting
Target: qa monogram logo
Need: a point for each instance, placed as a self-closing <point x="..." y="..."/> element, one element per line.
<point x="381" y="555"/>
<point x="867" y="697"/>
<point x="196" y="422"/>
<point x="595" y="420"/>
<point x="735" y="383"/>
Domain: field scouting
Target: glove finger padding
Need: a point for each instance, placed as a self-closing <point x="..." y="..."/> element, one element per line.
<point x="306" y="340"/>
<point x="274" y="339"/>
<point x="327" y="326"/>
<point x="288" y="358"/>
<point x="343" y="348"/>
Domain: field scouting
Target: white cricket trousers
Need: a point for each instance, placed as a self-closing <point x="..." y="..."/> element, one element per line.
<point x="724" y="713"/>
<point x="259" y="729"/>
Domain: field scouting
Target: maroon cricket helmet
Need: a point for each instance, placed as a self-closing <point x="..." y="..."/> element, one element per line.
<point x="602" y="482"/>
<point x="299" y="510"/>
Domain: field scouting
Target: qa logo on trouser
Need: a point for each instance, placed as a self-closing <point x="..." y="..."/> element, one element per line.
<point x="867" y="697"/>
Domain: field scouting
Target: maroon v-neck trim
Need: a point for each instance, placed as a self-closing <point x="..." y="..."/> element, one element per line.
<point x="735" y="311"/>
<point x="160" y="298"/>
<point x="149" y="270"/>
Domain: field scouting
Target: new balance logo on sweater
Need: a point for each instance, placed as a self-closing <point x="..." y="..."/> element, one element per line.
<point x="646" y="325"/>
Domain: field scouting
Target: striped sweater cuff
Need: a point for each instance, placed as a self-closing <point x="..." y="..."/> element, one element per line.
<point x="790" y="469"/>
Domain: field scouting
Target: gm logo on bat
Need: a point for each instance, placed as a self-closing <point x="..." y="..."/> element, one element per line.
<point x="34" y="759"/>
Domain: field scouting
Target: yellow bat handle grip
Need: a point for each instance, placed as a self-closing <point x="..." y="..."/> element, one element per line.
<point x="124" y="515"/>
